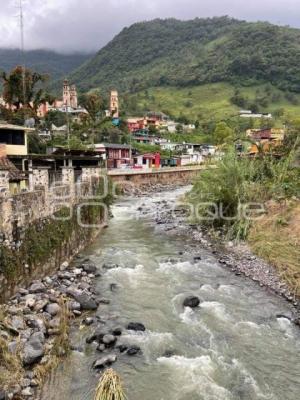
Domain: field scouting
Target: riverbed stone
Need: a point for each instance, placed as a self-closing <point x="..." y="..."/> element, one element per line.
<point x="37" y="287"/>
<point x="109" y="340"/>
<point x="191" y="301"/>
<point x="105" y="361"/>
<point x="17" y="323"/>
<point x="34" y="349"/>
<point x="27" y="392"/>
<point x="133" y="350"/>
<point x="85" y="301"/>
<point x="117" y="331"/>
<point x="89" y="268"/>
<point x="136" y="326"/>
<point x="88" y="321"/>
<point x="53" y="309"/>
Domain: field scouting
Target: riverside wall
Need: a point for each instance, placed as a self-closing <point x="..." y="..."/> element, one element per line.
<point x="46" y="226"/>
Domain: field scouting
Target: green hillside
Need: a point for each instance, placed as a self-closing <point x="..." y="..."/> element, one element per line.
<point x="56" y="65"/>
<point x="211" y="101"/>
<point x="174" y="53"/>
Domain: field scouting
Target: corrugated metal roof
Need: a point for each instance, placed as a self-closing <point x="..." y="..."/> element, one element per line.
<point x="14" y="173"/>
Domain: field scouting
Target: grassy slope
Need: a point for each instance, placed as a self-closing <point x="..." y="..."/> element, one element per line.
<point x="206" y="101"/>
<point x="276" y="238"/>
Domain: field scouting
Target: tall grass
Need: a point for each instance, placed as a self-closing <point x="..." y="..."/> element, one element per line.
<point x="234" y="190"/>
<point x="110" y="387"/>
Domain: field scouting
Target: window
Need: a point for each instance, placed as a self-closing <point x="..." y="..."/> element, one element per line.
<point x="12" y="137"/>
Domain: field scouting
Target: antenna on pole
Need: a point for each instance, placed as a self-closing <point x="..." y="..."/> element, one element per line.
<point x="22" y="50"/>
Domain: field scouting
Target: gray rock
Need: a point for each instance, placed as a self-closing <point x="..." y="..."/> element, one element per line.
<point x="136" y="326"/>
<point x="28" y="392"/>
<point x="74" y="305"/>
<point x="40" y="305"/>
<point x="191" y="301"/>
<point x="101" y="347"/>
<point x="88" y="321"/>
<point x="133" y="350"/>
<point x="89" y="268"/>
<point x="54" y="323"/>
<point x="53" y="309"/>
<point x="105" y="361"/>
<point x="86" y="303"/>
<point x="34" y="349"/>
<point x="36" y="323"/>
<point x="17" y="323"/>
<point x="37" y="287"/>
<point x="109" y="340"/>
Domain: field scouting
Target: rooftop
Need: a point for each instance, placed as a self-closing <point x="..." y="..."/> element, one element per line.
<point x="15" y="127"/>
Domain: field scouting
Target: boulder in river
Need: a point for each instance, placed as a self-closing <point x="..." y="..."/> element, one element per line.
<point x="109" y="340"/>
<point x="191" y="301"/>
<point x="105" y="361"/>
<point x="136" y="326"/>
<point x="133" y="350"/>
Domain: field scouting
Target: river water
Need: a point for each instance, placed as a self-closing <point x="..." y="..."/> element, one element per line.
<point x="232" y="347"/>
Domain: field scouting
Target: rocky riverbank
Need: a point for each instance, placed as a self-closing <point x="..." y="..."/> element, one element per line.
<point x="238" y="257"/>
<point x="34" y="326"/>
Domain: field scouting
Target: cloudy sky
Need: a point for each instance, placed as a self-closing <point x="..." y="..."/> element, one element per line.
<point x="68" y="25"/>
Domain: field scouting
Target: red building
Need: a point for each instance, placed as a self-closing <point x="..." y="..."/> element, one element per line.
<point x="116" y="155"/>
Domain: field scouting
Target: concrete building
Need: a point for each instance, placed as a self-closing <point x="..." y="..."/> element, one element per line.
<point x="14" y="139"/>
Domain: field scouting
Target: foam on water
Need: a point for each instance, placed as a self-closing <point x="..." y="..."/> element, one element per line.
<point x="195" y="376"/>
<point x="217" y="309"/>
<point x="207" y="288"/>
<point x="189" y="317"/>
<point x="251" y="384"/>
<point x="184" y="267"/>
<point x="133" y="276"/>
<point x="151" y="343"/>
<point x="286" y="326"/>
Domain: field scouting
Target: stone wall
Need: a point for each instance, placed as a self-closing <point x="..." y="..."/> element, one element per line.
<point x="39" y="229"/>
<point x="143" y="180"/>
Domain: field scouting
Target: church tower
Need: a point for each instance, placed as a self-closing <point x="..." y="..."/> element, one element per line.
<point x="66" y="94"/>
<point x="114" y="104"/>
<point x="73" y="97"/>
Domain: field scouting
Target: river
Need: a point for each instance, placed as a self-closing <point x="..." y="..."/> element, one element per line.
<point x="232" y="347"/>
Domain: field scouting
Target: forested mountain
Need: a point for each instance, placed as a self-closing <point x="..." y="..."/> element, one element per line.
<point x="54" y="64"/>
<point x="188" y="53"/>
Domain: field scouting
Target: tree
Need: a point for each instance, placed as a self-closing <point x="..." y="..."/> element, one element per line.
<point x="29" y="95"/>
<point x="57" y="118"/>
<point x="222" y="133"/>
<point x="93" y="103"/>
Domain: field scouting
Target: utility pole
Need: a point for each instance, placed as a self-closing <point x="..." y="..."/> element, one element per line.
<point x="21" y="15"/>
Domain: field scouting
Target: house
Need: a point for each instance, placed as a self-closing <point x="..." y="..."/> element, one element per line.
<point x="149" y="160"/>
<point x="267" y="138"/>
<point x="249" y="114"/>
<point x="189" y="159"/>
<point x="136" y="124"/>
<point x="116" y="155"/>
<point x="15" y="139"/>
